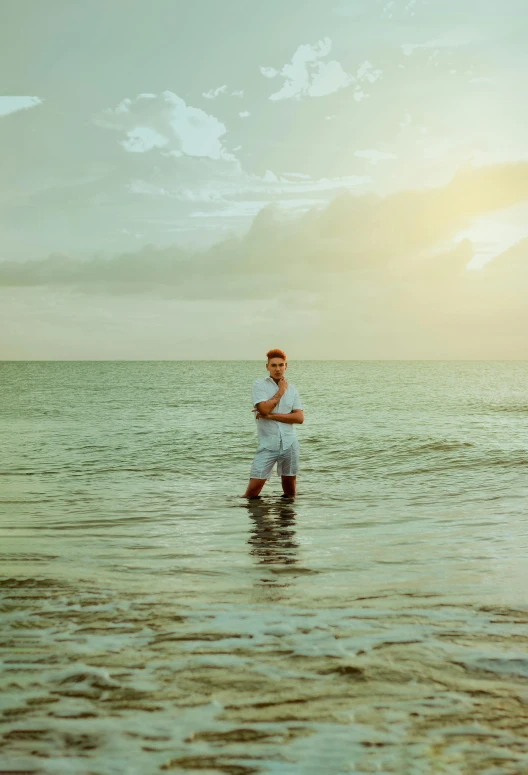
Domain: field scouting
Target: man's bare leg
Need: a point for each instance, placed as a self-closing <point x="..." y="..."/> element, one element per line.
<point x="254" y="487"/>
<point x="288" y="486"/>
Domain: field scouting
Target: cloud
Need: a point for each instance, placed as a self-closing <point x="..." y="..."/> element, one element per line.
<point x="244" y="114"/>
<point x="455" y="38"/>
<point x="142" y="138"/>
<point x="511" y="262"/>
<point x="301" y="175"/>
<point x="402" y="7"/>
<point x="497" y="156"/>
<point x="269" y="72"/>
<point x="212" y="94"/>
<point x="390" y="272"/>
<point x="366" y="72"/>
<point x="240" y="194"/>
<point x="14" y="104"/>
<point x="405" y="122"/>
<point x="142" y="187"/>
<point x="253" y="207"/>
<point x="373" y="156"/>
<point x="307" y="76"/>
<point x="493" y="235"/>
<point x="165" y="121"/>
<point x="411" y="222"/>
<point x="409" y="235"/>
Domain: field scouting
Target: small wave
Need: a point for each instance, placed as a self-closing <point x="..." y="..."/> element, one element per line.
<point x="443" y="446"/>
<point x="481" y="462"/>
<point x="28" y="473"/>
<point x="508" y="408"/>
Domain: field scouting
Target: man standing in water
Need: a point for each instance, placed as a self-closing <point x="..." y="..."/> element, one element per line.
<point x="277" y="408"/>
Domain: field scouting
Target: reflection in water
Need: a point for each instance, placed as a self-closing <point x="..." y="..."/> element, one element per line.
<point x="272" y="537"/>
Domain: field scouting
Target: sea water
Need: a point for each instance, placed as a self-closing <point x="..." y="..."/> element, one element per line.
<point x="152" y="620"/>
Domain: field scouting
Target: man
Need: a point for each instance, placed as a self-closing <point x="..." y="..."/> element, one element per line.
<point x="278" y="409"/>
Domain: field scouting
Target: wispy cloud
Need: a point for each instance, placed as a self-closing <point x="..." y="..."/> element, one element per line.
<point x="456" y="38"/>
<point x="212" y="94"/>
<point x="14" y="104"/>
<point x="240" y="192"/>
<point x="374" y="157"/>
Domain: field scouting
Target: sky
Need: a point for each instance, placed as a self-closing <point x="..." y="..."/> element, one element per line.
<point x="342" y="179"/>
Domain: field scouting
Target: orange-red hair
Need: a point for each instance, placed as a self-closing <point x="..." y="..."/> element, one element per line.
<point x="275" y="354"/>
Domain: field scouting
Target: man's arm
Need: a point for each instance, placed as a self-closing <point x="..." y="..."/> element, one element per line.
<point x="294" y="417"/>
<point x="266" y="407"/>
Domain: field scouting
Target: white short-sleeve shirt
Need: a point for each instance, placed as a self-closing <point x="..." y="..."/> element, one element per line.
<point x="270" y="432"/>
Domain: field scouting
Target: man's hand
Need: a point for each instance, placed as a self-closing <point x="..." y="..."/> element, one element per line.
<point x="296" y="416"/>
<point x="283" y="386"/>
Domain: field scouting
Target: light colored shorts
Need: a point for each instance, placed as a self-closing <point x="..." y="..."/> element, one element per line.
<point x="287" y="461"/>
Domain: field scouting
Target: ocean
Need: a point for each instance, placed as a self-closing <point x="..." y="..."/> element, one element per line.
<point x="153" y="620"/>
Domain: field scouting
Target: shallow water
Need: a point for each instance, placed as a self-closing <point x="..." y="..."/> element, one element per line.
<point x="154" y="621"/>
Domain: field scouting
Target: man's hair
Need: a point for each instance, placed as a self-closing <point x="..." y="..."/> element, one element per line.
<point x="275" y="354"/>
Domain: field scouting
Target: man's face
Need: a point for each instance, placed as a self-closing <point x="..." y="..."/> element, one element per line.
<point x="276" y="368"/>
